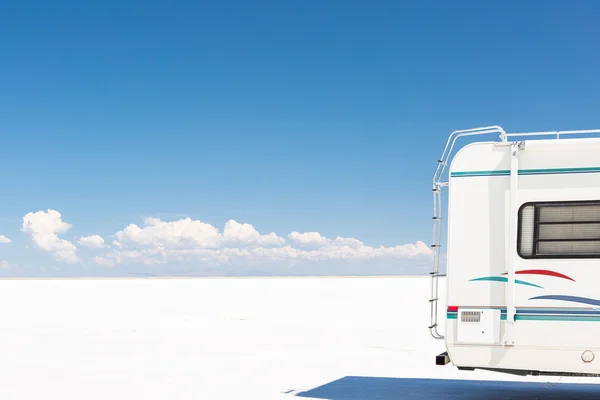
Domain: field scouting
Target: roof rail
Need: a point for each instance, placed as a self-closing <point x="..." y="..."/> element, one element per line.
<point x="554" y="133"/>
<point x="443" y="161"/>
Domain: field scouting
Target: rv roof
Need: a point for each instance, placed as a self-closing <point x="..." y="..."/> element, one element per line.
<point x="496" y="129"/>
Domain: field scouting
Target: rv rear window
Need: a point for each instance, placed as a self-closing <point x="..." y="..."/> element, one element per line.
<point x="559" y="230"/>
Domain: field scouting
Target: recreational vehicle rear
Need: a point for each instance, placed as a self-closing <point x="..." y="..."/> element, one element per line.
<point x="523" y="252"/>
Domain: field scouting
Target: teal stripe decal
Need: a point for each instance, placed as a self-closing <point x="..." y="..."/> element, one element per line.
<point x="559" y="171"/>
<point x="481" y="173"/>
<point x="542" y="317"/>
<point x="453" y="315"/>
<point x="504" y="279"/>
<point x="558" y="318"/>
<point x="548" y="171"/>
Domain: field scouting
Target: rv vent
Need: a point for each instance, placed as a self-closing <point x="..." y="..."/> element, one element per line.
<point x="470" y="316"/>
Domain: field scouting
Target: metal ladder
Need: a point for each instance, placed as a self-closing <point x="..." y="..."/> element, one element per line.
<point x="438" y="184"/>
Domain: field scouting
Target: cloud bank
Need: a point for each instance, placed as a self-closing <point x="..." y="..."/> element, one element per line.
<point x="187" y="240"/>
<point x="197" y="247"/>
<point x="4" y="240"/>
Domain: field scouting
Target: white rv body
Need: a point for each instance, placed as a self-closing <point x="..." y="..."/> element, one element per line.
<point x="523" y="256"/>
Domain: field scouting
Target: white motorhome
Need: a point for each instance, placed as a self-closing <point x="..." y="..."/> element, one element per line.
<point x="523" y="252"/>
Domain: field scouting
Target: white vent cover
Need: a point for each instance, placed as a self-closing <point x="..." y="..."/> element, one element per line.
<point x="470" y="316"/>
<point x="478" y="326"/>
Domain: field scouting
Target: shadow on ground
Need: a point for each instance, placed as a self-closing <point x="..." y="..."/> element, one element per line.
<point x="366" y="388"/>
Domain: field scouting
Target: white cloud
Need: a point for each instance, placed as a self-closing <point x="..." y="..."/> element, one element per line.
<point x="122" y="257"/>
<point x="100" y="260"/>
<point x="177" y="234"/>
<point x="4" y="239"/>
<point x="307" y="239"/>
<point x="258" y="255"/>
<point x="196" y="242"/>
<point x="350" y="242"/>
<point x="245" y="234"/>
<point x="188" y="233"/>
<point x="94" y="241"/>
<point x="315" y="239"/>
<point x="43" y="228"/>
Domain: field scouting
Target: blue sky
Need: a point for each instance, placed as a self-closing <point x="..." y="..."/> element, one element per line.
<point x="300" y="117"/>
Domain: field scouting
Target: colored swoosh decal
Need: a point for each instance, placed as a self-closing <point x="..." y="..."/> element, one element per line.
<point x="575" y="299"/>
<point x="503" y="279"/>
<point x="542" y="272"/>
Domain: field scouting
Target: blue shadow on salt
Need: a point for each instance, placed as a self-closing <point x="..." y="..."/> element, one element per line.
<point x="373" y="388"/>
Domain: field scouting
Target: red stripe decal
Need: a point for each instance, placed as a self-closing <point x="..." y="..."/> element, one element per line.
<point x="452" y="308"/>
<point x="542" y="272"/>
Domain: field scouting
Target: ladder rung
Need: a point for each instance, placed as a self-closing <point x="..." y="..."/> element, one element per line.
<point x="433" y="326"/>
<point x="432" y="300"/>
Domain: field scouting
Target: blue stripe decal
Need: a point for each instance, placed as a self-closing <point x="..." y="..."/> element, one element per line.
<point x="575" y="299"/>
<point x="555" y="312"/>
<point x="548" y="171"/>
<point x="557" y="318"/>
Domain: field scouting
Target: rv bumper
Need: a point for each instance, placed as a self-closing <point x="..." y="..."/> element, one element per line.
<point x="442" y="359"/>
